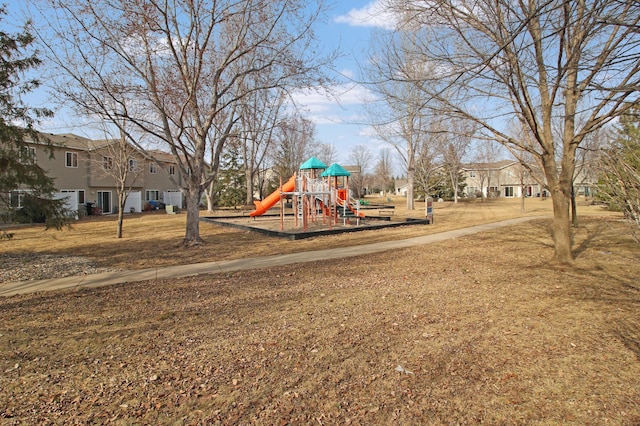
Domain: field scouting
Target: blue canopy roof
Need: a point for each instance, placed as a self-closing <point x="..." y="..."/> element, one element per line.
<point x="335" y="170"/>
<point x="313" y="163"/>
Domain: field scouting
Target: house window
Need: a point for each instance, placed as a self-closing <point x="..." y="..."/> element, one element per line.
<point x="172" y="169"/>
<point x="16" y="199"/>
<point x="107" y="163"/>
<point x="152" y="195"/>
<point x="471" y="190"/>
<point x="153" y="168"/>
<point x="71" y="159"/>
<point x="79" y="192"/>
<point x="27" y="155"/>
<point x="508" y="191"/>
<point x="472" y="174"/>
<point x="133" y="165"/>
<point x="104" y="201"/>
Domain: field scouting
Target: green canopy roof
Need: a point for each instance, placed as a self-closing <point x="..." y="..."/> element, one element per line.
<point x="313" y="163"/>
<point x="335" y="170"/>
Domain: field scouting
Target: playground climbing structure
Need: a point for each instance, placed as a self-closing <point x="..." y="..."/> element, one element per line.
<point x="317" y="193"/>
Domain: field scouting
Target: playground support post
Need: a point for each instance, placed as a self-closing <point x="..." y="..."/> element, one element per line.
<point x="281" y="208"/>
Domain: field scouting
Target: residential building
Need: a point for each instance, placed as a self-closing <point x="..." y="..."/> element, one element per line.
<point x="510" y="179"/>
<point x="83" y="172"/>
<point x="401" y="186"/>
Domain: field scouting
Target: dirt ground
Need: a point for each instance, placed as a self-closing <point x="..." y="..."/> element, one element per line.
<point x="473" y="330"/>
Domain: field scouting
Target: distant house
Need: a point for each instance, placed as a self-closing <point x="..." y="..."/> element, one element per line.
<point x="510" y="179"/>
<point x="503" y="178"/>
<point x="80" y="170"/>
<point x="401" y="187"/>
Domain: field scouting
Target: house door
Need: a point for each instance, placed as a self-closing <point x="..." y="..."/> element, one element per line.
<point x="104" y="201"/>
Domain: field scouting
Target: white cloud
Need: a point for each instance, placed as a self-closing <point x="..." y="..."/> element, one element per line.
<point x="337" y="113"/>
<point x="323" y="106"/>
<point x="347" y="73"/>
<point x="375" y="14"/>
<point x="353" y="94"/>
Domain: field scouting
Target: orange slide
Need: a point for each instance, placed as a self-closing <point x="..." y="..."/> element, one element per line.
<point x="273" y="198"/>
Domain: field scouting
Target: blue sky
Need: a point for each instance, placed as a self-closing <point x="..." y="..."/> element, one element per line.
<point x="340" y="121"/>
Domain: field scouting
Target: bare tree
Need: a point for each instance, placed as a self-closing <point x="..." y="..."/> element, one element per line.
<point x="522" y="174"/>
<point x="175" y="69"/>
<point x="454" y="138"/>
<point x="119" y="161"/>
<point x="619" y="166"/>
<point x="486" y="156"/>
<point x="577" y="61"/>
<point x="383" y="171"/>
<point x="361" y="157"/>
<point x="326" y="153"/>
<point x="586" y="166"/>
<point x="401" y="120"/>
<point x="427" y="164"/>
<point x="294" y="143"/>
<point x="259" y="116"/>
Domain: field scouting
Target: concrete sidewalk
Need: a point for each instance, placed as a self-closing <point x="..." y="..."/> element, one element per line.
<point x="109" y="278"/>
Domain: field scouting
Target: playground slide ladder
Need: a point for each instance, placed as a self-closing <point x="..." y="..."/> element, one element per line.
<point x="299" y="207"/>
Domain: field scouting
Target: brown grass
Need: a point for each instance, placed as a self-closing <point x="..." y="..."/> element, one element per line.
<point x="155" y="239"/>
<point x="474" y="330"/>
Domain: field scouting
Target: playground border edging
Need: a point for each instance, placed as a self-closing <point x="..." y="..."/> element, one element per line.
<point x="219" y="220"/>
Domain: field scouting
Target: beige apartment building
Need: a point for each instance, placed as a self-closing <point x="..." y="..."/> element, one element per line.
<point x="509" y="179"/>
<point x="84" y="173"/>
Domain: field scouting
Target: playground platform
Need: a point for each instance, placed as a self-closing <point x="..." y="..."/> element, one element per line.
<point x="270" y="224"/>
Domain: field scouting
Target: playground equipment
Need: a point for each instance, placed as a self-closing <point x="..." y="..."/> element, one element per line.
<point x="315" y="194"/>
<point x="273" y="198"/>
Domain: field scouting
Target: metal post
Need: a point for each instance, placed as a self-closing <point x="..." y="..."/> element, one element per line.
<point x="428" y="205"/>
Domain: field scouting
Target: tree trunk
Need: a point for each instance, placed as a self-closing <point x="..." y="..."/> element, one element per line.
<point x="574" y="210"/>
<point x="192" y="231"/>
<point x="248" y="179"/>
<point x="410" y="183"/>
<point x="454" y="184"/>
<point x="208" y="194"/>
<point x="121" y="202"/>
<point x="561" y="227"/>
<point x="209" y="198"/>
<point x="522" y="198"/>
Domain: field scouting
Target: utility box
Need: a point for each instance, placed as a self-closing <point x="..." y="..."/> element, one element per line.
<point x="171" y="209"/>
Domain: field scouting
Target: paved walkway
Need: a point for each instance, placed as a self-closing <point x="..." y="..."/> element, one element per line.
<point x="110" y="278"/>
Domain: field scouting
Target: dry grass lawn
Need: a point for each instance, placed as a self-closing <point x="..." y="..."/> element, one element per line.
<point x="474" y="330"/>
<point x="151" y="240"/>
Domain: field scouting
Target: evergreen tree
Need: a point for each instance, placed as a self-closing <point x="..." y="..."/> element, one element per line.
<point x="440" y="185"/>
<point x="619" y="182"/>
<point x="231" y="187"/>
<point x="21" y="179"/>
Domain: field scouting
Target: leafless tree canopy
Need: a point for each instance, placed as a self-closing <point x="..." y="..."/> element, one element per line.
<point x="560" y="68"/>
<point x="401" y="118"/>
<point x="178" y="70"/>
<point x="362" y="157"/>
<point x="295" y="142"/>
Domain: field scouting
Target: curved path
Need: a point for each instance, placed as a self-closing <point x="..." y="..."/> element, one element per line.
<point x="110" y="278"/>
